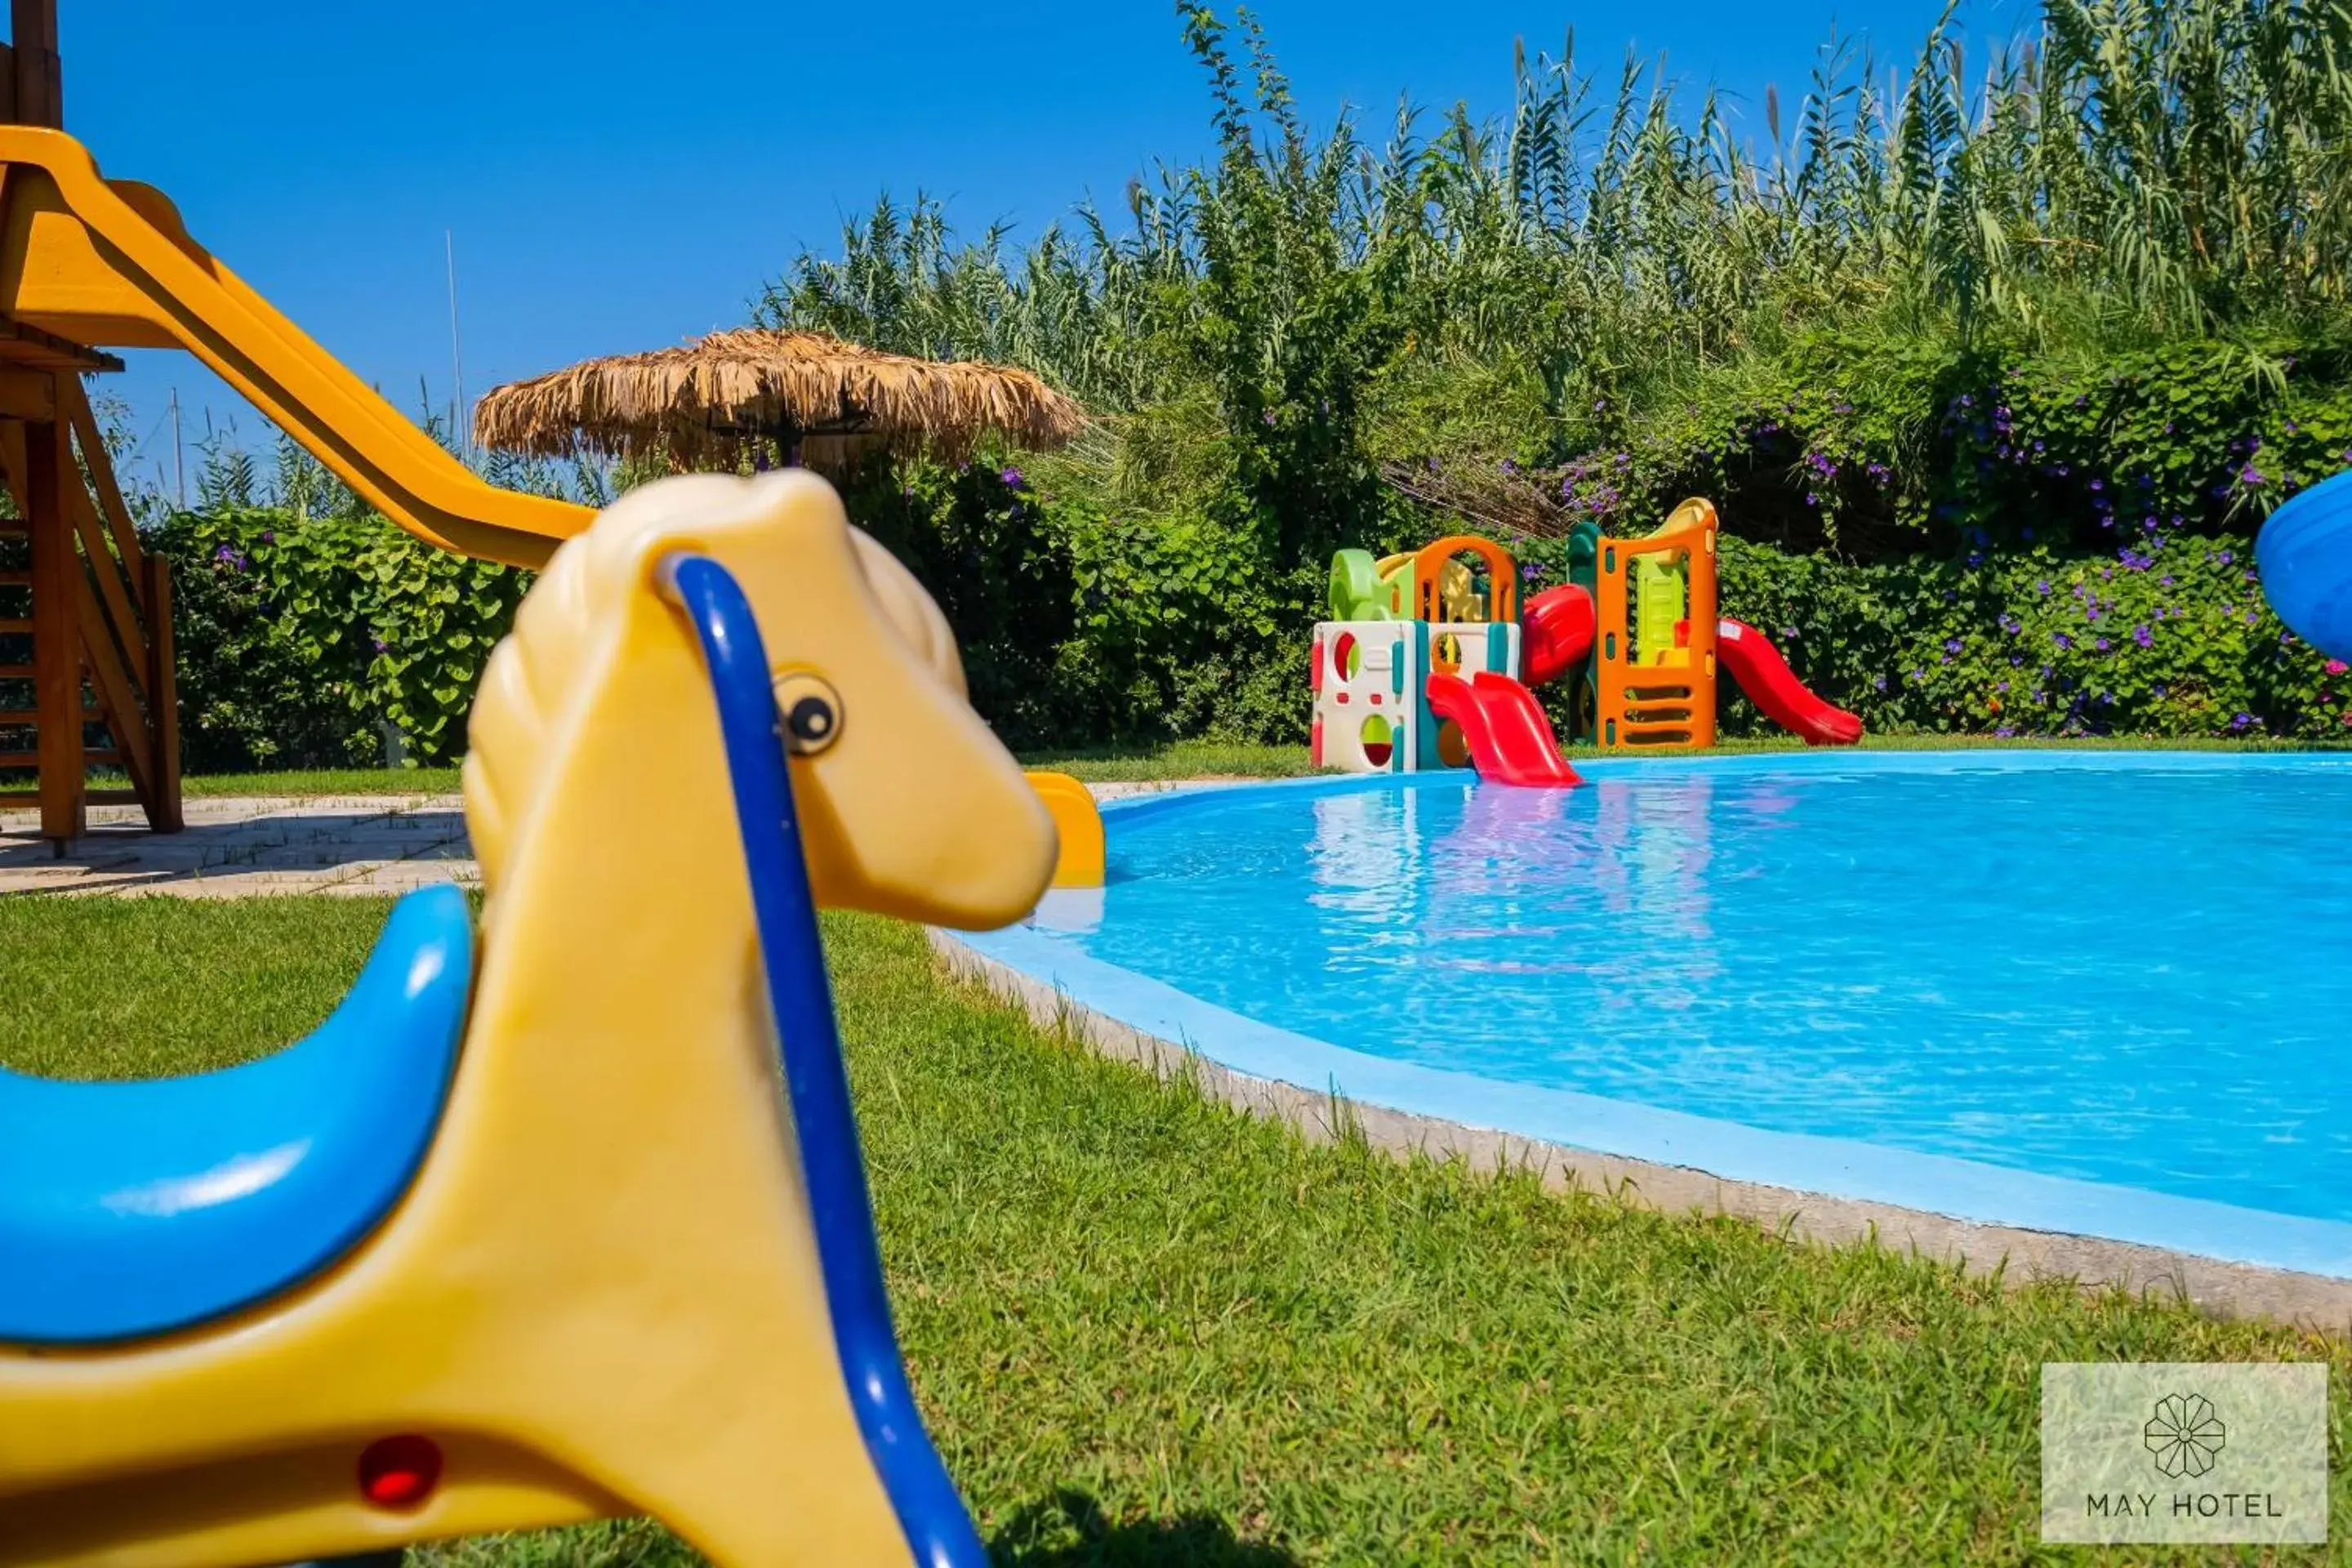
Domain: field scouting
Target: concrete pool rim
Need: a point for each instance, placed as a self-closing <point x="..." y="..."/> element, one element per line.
<point x="2228" y="1257"/>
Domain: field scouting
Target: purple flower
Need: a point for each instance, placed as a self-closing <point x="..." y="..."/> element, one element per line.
<point x="2225" y="557"/>
<point x="2102" y="645"/>
<point x="2062" y="640"/>
<point x="2241" y="720"/>
<point x="2005" y="732"/>
<point x="380" y="647"/>
<point x="230" y="556"/>
<point x="269" y="536"/>
<point x="1951" y="645"/>
<point x="2142" y="636"/>
<point x="1013" y="480"/>
<point x="2042" y="585"/>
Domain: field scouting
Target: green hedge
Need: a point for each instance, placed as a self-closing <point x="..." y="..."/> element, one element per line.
<point x="301" y="640"/>
<point x="2173" y="639"/>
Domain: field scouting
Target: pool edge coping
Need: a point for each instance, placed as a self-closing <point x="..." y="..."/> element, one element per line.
<point x="2025" y="1255"/>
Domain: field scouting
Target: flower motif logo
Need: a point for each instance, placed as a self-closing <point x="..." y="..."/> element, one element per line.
<point x="2185" y="1435"/>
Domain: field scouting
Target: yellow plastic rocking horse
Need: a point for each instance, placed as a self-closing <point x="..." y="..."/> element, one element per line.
<point x="541" y="1234"/>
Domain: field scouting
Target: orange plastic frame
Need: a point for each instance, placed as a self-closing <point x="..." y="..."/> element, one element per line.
<point x="1502" y="576"/>
<point x="1657" y="704"/>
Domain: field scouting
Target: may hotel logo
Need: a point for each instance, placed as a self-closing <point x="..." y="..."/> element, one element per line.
<point x="2185" y="1435"/>
<point x="2145" y="1453"/>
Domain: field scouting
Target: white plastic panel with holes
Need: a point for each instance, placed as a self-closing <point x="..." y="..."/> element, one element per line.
<point x="1367" y="695"/>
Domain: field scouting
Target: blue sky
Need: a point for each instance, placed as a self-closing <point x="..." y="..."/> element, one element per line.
<point x="621" y="177"/>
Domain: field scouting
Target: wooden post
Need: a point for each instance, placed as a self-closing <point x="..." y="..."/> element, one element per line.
<point x="40" y="92"/>
<point x="57" y="638"/>
<point x="162" y="700"/>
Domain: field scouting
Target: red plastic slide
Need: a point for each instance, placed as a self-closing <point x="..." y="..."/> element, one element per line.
<point x="1555" y="631"/>
<point x="1509" y="738"/>
<point x="1772" y="686"/>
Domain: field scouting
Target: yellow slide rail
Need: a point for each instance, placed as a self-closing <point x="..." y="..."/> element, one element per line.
<point x="108" y="263"/>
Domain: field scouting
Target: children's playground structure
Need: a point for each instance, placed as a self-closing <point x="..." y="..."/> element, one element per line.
<point x="88" y="264"/>
<point x="1428" y="657"/>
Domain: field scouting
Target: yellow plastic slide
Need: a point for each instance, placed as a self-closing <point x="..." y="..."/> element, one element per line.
<point x="107" y="263"/>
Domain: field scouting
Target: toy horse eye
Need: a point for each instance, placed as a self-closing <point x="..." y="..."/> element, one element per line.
<point x="811" y="711"/>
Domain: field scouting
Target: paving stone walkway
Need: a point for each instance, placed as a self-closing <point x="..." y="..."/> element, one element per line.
<point x="238" y="846"/>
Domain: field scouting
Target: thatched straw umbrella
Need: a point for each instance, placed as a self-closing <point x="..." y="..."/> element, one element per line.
<point x="729" y="396"/>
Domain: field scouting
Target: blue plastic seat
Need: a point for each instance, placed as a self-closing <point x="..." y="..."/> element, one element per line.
<point x="137" y="1208"/>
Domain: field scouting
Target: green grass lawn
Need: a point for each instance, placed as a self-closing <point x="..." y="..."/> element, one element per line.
<point x="1150" y="1331"/>
<point x="298" y="781"/>
<point x="1173" y="759"/>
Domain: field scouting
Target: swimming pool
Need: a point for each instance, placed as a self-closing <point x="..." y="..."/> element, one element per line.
<point x="2108" y="992"/>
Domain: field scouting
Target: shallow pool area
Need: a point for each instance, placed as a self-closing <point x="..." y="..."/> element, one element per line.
<point x="2100" y="992"/>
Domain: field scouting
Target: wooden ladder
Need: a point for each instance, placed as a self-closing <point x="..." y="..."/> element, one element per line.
<point x="86" y="655"/>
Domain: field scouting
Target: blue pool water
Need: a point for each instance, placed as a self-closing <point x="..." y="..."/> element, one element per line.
<point x="2132" y="970"/>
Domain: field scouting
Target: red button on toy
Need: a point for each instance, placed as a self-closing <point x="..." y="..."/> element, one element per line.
<point x="400" y="1472"/>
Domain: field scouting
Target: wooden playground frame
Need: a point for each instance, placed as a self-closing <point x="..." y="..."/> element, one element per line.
<point x="99" y="620"/>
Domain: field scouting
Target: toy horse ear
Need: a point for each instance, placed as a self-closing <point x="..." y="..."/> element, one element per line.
<point x="913" y="614"/>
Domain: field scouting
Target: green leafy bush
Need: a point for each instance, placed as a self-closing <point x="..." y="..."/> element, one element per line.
<point x="2173" y="640"/>
<point x="302" y="639"/>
